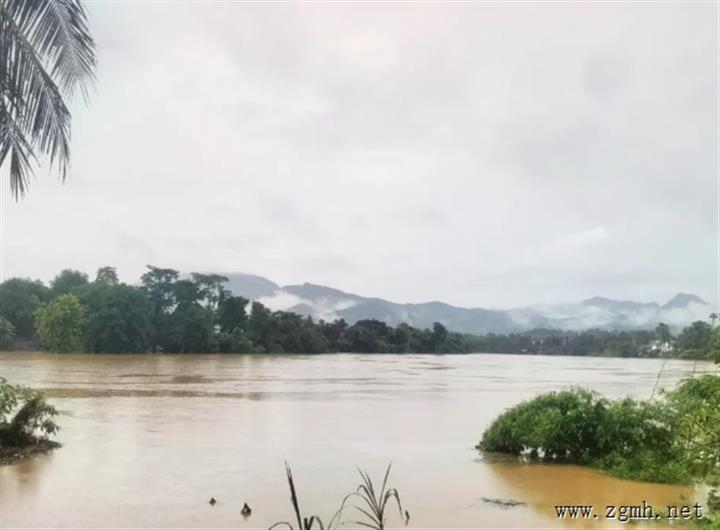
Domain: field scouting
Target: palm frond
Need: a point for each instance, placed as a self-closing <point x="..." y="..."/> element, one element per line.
<point x="58" y="30"/>
<point x="46" y="52"/>
<point x="14" y="145"/>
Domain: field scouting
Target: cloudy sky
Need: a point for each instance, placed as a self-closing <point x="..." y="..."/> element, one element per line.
<point x="479" y="154"/>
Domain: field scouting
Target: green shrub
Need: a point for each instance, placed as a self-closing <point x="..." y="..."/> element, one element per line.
<point x="628" y="438"/>
<point x="61" y="324"/>
<point x="32" y="420"/>
<point x="558" y="425"/>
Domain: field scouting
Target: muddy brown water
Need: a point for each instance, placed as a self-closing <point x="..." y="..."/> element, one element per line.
<point x="148" y="439"/>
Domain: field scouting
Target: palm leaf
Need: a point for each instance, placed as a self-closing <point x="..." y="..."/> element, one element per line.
<point x="14" y="145"/>
<point x="46" y="53"/>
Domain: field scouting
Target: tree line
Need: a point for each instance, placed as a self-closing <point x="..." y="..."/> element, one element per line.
<point x="172" y="313"/>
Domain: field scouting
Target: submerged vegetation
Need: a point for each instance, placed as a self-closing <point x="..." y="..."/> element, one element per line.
<point x="26" y="422"/>
<point x="628" y="438"/>
<point x="674" y="439"/>
<point x="172" y="313"/>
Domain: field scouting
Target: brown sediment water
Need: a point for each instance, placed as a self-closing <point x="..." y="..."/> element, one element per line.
<point x="149" y="439"/>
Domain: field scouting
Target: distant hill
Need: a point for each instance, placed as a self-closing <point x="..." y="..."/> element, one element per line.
<point x="251" y="286"/>
<point x="620" y="305"/>
<point x="683" y="300"/>
<point x="328" y="303"/>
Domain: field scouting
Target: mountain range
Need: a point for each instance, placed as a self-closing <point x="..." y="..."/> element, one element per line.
<point x="327" y="303"/>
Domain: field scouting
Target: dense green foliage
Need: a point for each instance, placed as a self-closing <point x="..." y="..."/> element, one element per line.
<point x="696" y="409"/>
<point x="68" y="281"/>
<point x="7" y="334"/>
<point x="25" y="416"/>
<point x="628" y="437"/>
<point x="19" y="298"/>
<point x="174" y="313"/>
<point x="61" y="324"/>
<point x="714" y="353"/>
<point x="694" y="342"/>
<point x="675" y="439"/>
<point x="118" y="318"/>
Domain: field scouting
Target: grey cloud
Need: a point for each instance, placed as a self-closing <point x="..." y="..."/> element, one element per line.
<point x="413" y="152"/>
<point x="604" y="76"/>
<point x="135" y="245"/>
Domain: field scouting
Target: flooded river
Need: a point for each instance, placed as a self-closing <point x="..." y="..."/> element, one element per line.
<point x="148" y="439"/>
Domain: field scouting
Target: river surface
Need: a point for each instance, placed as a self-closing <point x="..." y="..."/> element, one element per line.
<point x="148" y="439"/>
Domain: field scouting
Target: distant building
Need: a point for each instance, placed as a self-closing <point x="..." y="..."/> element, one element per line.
<point x="660" y="347"/>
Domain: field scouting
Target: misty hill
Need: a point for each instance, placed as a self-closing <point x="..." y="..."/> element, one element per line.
<point x="682" y="300"/>
<point x="251" y="286"/>
<point x="327" y="303"/>
<point x="621" y="305"/>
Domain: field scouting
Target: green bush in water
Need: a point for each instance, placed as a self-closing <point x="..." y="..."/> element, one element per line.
<point x="628" y="438"/>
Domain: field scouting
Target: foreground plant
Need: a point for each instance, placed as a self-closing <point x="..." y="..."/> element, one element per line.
<point x="375" y="504"/>
<point x="303" y="523"/>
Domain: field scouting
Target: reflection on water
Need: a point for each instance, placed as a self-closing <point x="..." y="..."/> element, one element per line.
<point x="148" y="439"/>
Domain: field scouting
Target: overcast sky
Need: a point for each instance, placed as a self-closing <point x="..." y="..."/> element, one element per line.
<point x="478" y="154"/>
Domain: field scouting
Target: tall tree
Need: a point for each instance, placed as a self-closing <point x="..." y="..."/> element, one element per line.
<point x="46" y="54"/>
<point x="158" y="284"/>
<point x="713" y="318"/>
<point x="187" y="330"/>
<point x="19" y="298"/>
<point x="118" y="318"/>
<point x="694" y="340"/>
<point x="107" y="275"/>
<point x="61" y="324"/>
<point x="440" y="334"/>
<point x="231" y="313"/>
<point x="662" y="332"/>
<point x="210" y="287"/>
<point x="259" y="324"/>
<point x="68" y="281"/>
<point x="187" y="292"/>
